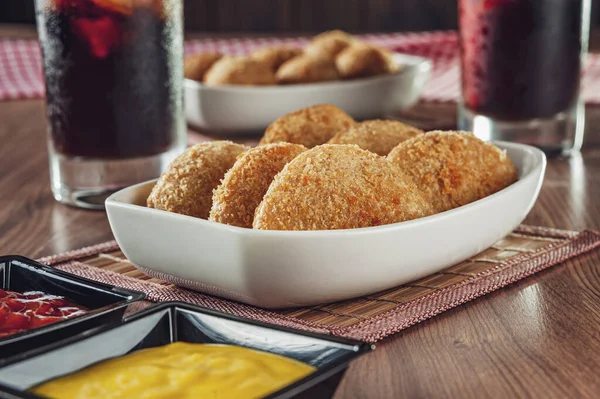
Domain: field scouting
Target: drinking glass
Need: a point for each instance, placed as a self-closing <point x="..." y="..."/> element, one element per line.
<point x="521" y="63"/>
<point x="113" y="73"/>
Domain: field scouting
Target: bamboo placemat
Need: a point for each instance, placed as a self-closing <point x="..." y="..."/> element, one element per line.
<point x="522" y="253"/>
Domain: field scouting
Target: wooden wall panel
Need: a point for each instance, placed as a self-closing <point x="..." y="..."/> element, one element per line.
<point x="197" y="16"/>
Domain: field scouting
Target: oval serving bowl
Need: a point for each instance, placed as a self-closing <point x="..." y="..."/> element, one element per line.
<point x="278" y="269"/>
<point x="242" y="109"/>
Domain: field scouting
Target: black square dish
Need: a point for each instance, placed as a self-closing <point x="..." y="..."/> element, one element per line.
<point x="172" y="322"/>
<point x="106" y="303"/>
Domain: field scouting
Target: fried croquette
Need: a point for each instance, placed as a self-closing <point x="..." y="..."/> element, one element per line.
<point x="378" y="136"/>
<point x="392" y="65"/>
<point x="195" y="66"/>
<point x="186" y="186"/>
<point x="329" y="44"/>
<point x="275" y="56"/>
<point x="361" y="60"/>
<point x="245" y="184"/>
<point x="233" y="70"/>
<point x="337" y="186"/>
<point x="454" y="168"/>
<point x="310" y="126"/>
<point x="306" y="69"/>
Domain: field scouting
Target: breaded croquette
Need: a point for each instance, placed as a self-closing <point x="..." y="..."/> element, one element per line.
<point x="330" y="56"/>
<point x="245" y="184"/>
<point x="392" y="65"/>
<point x="454" y="168"/>
<point x="186" y="186"/>
<point x="306" y="69"/>
<point x="231" y="70"/>
<point x="378" y="136"/>
<point x="310" y="126"/>
<point x="275" y="56"/>
<point x="329" y="44"/>
<point x="336" y="186"/>
<point x="361" y="60"/>
<point x="195" y="66"/>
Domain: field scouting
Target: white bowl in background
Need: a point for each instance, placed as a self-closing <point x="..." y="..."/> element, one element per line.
<point x="278" y="269"/>
<point x="242" y="109"/>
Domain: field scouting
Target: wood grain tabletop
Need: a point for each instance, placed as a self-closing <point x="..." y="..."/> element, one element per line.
<point x="537" y="338"/>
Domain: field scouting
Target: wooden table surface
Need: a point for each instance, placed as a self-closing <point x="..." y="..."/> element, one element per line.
<point x="537" y="338"/>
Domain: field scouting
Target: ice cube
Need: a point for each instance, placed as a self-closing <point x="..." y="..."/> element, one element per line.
<point x="124" y="7"/>
<point x="101" y="34"/>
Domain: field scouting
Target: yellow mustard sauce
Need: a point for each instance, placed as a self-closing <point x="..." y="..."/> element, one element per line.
<point x="180" y="370"/>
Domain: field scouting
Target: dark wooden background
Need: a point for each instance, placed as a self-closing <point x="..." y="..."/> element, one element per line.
<point x="290" y="16"/>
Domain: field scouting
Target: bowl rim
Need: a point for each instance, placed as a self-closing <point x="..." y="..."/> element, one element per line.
<point x="358" y="346"/>
<point x="527" y="179"/>
<point x="417" y="63"/>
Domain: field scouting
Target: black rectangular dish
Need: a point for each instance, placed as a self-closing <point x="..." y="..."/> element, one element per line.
<point x="105" y="303"/>
<point x="174" y="322"/>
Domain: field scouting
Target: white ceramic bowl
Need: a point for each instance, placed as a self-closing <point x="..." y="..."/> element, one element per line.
<point x="242" y="109"/>
<point x="276" y="269"/>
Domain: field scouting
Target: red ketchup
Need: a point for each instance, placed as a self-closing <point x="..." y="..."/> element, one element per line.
<point x="21" y="312"/>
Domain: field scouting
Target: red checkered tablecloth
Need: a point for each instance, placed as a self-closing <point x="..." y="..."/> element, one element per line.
<point x="20" y="62"/>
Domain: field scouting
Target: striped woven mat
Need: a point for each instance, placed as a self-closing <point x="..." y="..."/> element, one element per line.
<point x="525" y="251"/>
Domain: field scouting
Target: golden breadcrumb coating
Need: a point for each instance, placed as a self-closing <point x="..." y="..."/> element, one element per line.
<point x="309" y="126"/>
<point x="231" y="70"/>
<point x="335" y="186"/>
<point x="361" y="60"/>
<point x="195" y="66"/>
<point x="392" y="65"/>
<point x="246" y="183"/>
<point x="329" y="44"/>
<point x="274" y="56"/>
<point x="306" y="69"/>
<point x="378" y="136"/>
<point x="186" y="186"/>
<point x="454" y="168"/>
